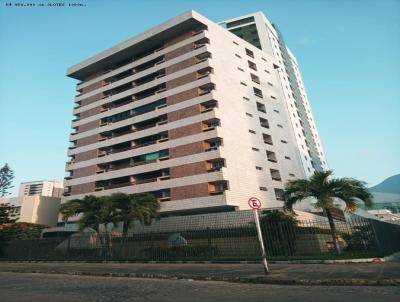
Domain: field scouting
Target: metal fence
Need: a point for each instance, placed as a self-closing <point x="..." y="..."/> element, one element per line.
<point x="219" y="236"/>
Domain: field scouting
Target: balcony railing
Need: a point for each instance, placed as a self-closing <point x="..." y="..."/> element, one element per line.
<point x="118" y="185"/>
<point x="144" y="181"/>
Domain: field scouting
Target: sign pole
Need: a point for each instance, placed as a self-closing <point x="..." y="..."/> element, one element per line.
<point x="260" y="240"/>
<point x="255" y="204"/>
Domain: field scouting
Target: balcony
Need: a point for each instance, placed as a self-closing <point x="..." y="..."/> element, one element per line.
<point x="201" y="43"/>
<point x="217" y="188"/>
<point x="163" y="199"/>
<point x="215" y="165"/>
<point x="198" y="32"/>
<point x="210" y="125"/>
<point x="203" y="73"/>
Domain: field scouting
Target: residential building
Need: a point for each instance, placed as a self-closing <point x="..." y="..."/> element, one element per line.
<point x="189" y="112"/>
<point x="259" y="31"/>
<point x="42" y="188"/>
<point x="34" y="209"/>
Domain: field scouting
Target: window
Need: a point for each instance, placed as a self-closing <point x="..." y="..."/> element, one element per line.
<point x="263" y="189"/>
<point x="277" y="111"/>
<point x="255" y="149"/>
<point x="252" y="131"/>
<point x="249" y="114"/>
<point x="275" y="175"/>
<point x="246" y="99"/>
<point x="279" y="194"/>
<point x="238" y="56"/>
<point x="255" y="78"/>
<point x="283" y="141"/>
<point x="235" y="43"/>
<point x="259" y="168"/>
<point x="279" y="125"/>
<point x="244" y="84"/>
<point x="264" y="123"/>
<point x="271" y="156"/>
<point x="264" y="59"/>
<point x="267" y="139"/>
<point x="291" y="174"/>
<point x="257" y="92"/>
<point x="261" y="107"/>
<point x="266" y="71"/>
<point x="272" y="97"/>
<point x="249" y="53"/>
<point x="240" y="69"/>
<point x="270" y="84"/>
<point x="287" y="157"/>
<point x="252" y="65"/>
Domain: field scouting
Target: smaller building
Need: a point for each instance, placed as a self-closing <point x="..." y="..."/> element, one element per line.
<point x="385" y="215"/>
<point x="50" y="188"/>
<point x="37" y="202"/>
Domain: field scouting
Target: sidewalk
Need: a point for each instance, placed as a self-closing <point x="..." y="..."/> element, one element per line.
<point x="293" y="274"/>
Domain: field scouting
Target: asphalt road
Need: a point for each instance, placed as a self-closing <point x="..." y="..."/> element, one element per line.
<point x="16" y="287"/>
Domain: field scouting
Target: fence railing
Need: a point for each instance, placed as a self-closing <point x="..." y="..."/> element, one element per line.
<point x="234" y="240"/>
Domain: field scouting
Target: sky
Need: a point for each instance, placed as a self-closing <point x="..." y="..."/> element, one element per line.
<point x="348" y="52"/>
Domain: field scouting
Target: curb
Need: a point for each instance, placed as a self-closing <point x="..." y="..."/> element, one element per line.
<point x="341" y="261"/>
<point x="253" y="280"/>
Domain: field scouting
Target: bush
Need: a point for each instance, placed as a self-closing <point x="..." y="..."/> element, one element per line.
<point x="22" y="231"/>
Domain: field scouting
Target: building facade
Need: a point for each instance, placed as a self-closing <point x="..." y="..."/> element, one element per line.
<point x="259" y="31"/>
<point x="34" y="209"/>
<point x="189" y="112"/>
<point x="41" y="187"/>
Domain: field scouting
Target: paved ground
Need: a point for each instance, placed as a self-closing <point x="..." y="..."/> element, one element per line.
<point x="350" y="273"/>
<point x="17" y="287"/>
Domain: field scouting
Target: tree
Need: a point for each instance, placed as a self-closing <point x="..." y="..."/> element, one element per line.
<point x="23" y="231"/>
<point x="142" y="207"/>
<point x="6" y="178"/>
<point x="325" y="191"/>
<point x="6" y="213"/>
<point x="94" y="211"/>
<point x="279" y="233"/>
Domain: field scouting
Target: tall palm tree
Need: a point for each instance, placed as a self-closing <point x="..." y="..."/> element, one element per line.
<point x="142" y="207"/>
<point x="95" y="211"/>
<point x="324" y="189"/>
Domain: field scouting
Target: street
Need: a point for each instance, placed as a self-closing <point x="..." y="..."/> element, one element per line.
<point x="16" y="287"/>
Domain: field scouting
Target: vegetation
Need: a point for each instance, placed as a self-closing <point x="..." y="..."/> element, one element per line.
<point x="278" y="232"/>
<point x="6" y="178"/>
<point x="23" y="231"/>
<point x="325" y="190"/>
<point x="6" y="211"/>
<point x="141" y="207"/>
<point x="97" y="212"/>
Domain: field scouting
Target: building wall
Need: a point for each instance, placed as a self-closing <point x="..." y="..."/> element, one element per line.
<point x="43" y="188"/>
<point x="36" y="209"/>
<point x="310" y="150"/>
<point x="194" y="69"/>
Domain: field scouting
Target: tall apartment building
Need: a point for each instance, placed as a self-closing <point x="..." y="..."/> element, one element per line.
<point x="41" y="187"/>
<point x="257" y="30"/>
<point x="187" y="111"/>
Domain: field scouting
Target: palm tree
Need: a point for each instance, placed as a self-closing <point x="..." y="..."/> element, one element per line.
<point x="142" y="207"/>
<point x="324" y="189"/>
<point x="95" y="211"/>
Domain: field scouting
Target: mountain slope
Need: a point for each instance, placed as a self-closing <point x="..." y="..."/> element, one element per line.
<point x="389" y="185"/>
